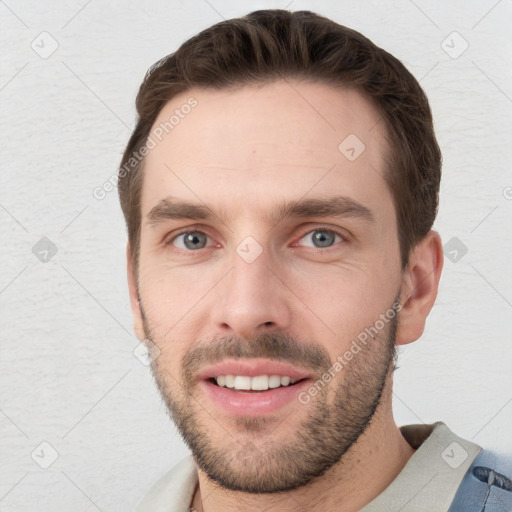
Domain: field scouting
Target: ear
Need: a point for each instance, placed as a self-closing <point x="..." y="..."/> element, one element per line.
<point x="138" y="323"/>
<point x="420" y="283"/>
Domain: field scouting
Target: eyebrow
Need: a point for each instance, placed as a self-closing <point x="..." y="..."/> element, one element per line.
<point x="338" y="206"/>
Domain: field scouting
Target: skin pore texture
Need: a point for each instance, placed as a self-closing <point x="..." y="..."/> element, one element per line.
<point x="318" y="281"/>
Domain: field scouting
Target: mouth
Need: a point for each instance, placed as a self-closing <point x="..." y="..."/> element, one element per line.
<point x="253" y="388"/>
<point x="257" y="384"/>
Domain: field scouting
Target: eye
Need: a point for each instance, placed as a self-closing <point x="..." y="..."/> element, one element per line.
<point x="190" y="240"/>
<point x="321" y="238"/>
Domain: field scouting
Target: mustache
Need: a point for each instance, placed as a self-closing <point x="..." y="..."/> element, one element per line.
<point x="278" y="347"/>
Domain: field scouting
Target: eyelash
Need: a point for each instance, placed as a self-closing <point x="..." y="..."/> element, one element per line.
<point x="333" y="231"/>
<point x="341" y="234"/>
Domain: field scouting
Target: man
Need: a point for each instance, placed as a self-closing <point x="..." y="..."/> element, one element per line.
<point x="279" y="191"/>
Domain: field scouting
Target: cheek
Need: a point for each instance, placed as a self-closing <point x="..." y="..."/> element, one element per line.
<point x="344" y="301"/>
<point x="175" y="302"/>
<point x="169" y="294"/>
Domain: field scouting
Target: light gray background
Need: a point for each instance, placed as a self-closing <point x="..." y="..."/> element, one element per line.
<point x="68" y="375"/>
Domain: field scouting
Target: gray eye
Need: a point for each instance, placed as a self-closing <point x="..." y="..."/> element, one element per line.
<point x="192" y="240"/>
<point x="322" y="238"/>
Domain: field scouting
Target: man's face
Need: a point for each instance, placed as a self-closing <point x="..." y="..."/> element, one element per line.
<point x="261" y="280"/>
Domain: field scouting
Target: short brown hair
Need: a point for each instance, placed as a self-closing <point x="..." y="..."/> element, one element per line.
<point x="271" y="44"/>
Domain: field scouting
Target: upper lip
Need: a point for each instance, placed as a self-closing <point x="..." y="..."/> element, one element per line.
<point x="252" y="368"/>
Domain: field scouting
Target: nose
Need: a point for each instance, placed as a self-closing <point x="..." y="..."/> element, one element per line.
<point x="251" y="299"/>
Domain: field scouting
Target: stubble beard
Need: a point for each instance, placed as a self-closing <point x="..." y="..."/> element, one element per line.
<point x="247" y="457"/>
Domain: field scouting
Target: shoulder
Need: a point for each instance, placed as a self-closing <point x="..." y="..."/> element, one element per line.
<point x="172" y="492"/>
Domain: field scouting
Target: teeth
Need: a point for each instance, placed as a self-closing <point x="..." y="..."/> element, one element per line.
<point x="274" y="381"/>
<point x="259" y="383"/>
<point x="242" y="382"/>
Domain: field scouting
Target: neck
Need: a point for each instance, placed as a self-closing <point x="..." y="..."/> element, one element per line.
<point x="370" y="465"/>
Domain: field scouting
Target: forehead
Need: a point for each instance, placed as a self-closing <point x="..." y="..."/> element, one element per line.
<point x="253" y="144"/>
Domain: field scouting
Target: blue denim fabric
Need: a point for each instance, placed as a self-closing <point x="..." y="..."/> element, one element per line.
<point x="485" y="487"/>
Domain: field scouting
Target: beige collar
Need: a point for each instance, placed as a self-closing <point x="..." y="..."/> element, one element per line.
<point x="432" y="476"/>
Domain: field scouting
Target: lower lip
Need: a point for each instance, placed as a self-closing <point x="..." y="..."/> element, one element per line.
<point x="253" y="403"/>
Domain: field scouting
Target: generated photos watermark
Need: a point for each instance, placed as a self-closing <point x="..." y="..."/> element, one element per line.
<point x="342" y="360"/>
<point x="155" y="137"/>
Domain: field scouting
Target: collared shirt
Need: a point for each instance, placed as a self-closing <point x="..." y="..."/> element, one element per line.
<point x="428" y="482"/>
